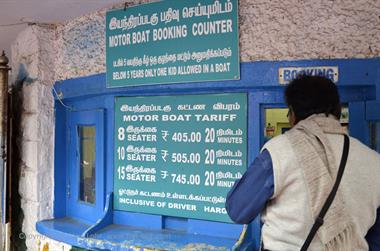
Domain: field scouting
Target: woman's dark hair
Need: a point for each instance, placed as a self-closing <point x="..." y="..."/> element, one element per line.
<point x="308" y="95"/>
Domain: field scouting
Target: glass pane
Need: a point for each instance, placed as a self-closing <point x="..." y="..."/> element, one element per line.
<point x="375" y="136"/>
<point x="276" y="122"/>
<point x="86" y="136"/>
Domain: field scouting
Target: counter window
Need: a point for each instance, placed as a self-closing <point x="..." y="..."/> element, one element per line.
<point x="85" y="164"/>
<point x="276" y="122"/>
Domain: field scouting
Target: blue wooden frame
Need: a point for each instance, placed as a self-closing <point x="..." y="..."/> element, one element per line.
<point x="358" y="83"/>
<point x="74" y="207"/>
<point x="372" y="113"/>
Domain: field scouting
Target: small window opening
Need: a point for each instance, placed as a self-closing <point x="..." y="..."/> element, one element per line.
<point x="86" y="135"/>
<point x="277" y="121"/>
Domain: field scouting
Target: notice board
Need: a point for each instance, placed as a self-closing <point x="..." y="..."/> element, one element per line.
<point x="172" y="41"/>
<point x="179" y="155"/>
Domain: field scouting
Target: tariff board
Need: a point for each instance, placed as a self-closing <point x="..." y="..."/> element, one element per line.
<point x="179" y="155"/>
<point x="172" y="42"/>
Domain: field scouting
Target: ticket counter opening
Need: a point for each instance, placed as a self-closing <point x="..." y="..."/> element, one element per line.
<point x="277" y="122"/>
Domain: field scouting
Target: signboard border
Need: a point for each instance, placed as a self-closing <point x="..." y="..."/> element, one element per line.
<point x="237" y="77"/>
<point x="247" y="108"/>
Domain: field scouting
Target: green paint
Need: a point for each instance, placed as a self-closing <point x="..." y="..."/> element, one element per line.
<point x="172" y="42"/>
<point x="179" y="155"/>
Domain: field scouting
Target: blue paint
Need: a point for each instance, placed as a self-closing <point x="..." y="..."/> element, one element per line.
<point x="75" y="207"/>
<point x="373" y="110"/>
<point x="23" y="76"/>
<point x="216" y="229"/>
<point x="175" y="223"/>
<point x="135" y="219"/>
<point x="103" y="222"/>
<point x="358" y="129"/>
<point x="63" y="229"/>
<point x="378" y="83"/>
<point x="59" y="162"/>
<point x="358" y="83"/>
<point x="119" y="237"/>
<point x="255" y="75"/>
<point x="288" y="76"/>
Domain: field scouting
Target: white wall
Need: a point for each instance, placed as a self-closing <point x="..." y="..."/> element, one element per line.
<point x="33" y="61"/>
<point x="269" y="30"/>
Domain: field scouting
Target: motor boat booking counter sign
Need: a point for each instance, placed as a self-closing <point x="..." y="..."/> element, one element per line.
<point x="173" y="42"/>
<point x="179" y="155"/>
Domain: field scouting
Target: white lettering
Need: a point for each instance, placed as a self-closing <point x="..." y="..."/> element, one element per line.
<point x="134" y="118"/>
<point x="141" y="157"/>
<point x="171" y="32"/>
<point x="173" y="117"/>
<point x="216" y="210"/>
<point x="188" y="207"/>
<point x="142" y="137"/>
<point x="215" y="117"/>
<point x="141" y="177"/>
<point x="214" y="27"/>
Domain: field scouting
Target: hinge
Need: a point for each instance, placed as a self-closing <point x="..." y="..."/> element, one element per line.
<point x="69" y="136"/>
<point x="68" y="190"/>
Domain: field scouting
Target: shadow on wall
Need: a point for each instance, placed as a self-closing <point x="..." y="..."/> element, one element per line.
<point x="77" y="249"/>
<point x="22" y="77"/>
<point x="16" y="163"/>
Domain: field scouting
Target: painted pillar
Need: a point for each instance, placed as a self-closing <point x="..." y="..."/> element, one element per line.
<point x="4" y="70"/>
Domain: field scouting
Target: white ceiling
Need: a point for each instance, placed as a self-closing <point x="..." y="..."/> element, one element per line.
<point x="14" y="12"/>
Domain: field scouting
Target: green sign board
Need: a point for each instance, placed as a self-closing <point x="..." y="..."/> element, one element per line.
<point x="179" y="155"/>
<point x="172" y="42"/>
